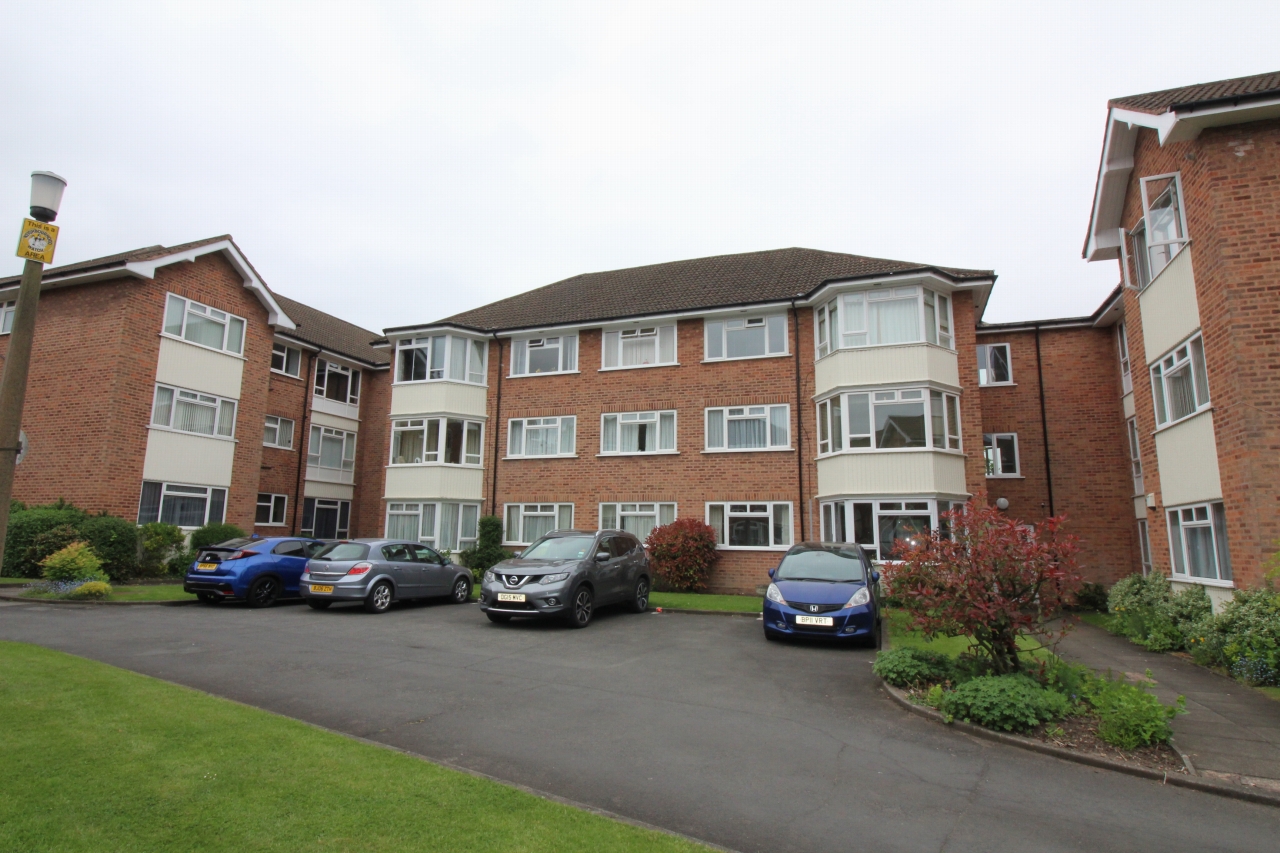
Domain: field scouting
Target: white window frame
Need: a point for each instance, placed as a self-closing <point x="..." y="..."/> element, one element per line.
<point x="841" y="322"/>
<point x="839" y="518"/>
<point x="566" y="357"/>
<point x="285" y="353"/>
<point x="279" y="423"/>
<point x="1180" y="520"/>
<point x="835" y="426"/>
<point x="520" y="427"/>
<point x="277" y="507"/>
<point x="1141" y="260"/>
<point x="514" y="515"/>
<point x="221" y="429"/>
<point x="725" y="511"/>
<point x="7" y="312"/>
<point x="1144" y="546"/>
<point x="187" y="490"/>
<point x="215" y="315"/>
<point x="320" y="387"/>
<point x="434" y="518"/>
<point x="440" y="360"/>
<point x="348" y="462"/>
<point x="732" y="413"/>
<point x="309" y="507"/>
<point x="436" y="456"/>
<point x="619" y="510"/>
<point x="994" y="459"/>
<point x="716" y="331"/>
<point x="1126" y="372"/>
<point x="1167" y="249"/>
<point x="1135" y="455"/>
<point x="1188" y="355"/>
<point x="612" y="342"/>
<point x="656" y="418"/>
<point x="984" y="357"/>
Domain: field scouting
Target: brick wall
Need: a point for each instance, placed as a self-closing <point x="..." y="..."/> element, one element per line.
<point x="372" y="449"/>
<point x="287" y="397"/>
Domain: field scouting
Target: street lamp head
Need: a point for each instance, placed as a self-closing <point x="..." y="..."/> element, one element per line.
<point x="46" y="195"/>
<point x="1002" y="503"/>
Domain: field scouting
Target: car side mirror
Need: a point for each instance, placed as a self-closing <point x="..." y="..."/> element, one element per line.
<point x="603" y="556"/>
<point x="772" y="572"/>
<point x="875" y="577"/>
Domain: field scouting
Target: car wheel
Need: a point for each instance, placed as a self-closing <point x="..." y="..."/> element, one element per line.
<point x="461" y="592"/>
<point x="317" y="604"/>
<point x="639" y="602"/>
<point x="874" y="642"/>
<point x="379" y="598"/>
<point x="582" y="608"/>
<point x="209" y="597"/>
<point x="264" y="592"/>
<point x="498" y="617"/>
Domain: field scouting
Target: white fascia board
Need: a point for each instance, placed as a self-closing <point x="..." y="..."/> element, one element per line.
<point x="1104" y="237"/>
<point x="936" y="282"/>
<point x="295" y="342"/>
<point x="1188" y="123"/>
<point x="275" y="314"/>
<point x="394" y="335"/>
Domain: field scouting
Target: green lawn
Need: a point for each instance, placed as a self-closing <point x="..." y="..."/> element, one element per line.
<point x="98" y="759"/>
<point x="1097" y="620"/>
<point x="901" y="636"/>
<point x="704" y="601"/>
<point x="5" y="581"/>
<point x="1270" y="692"/>
<point x="143" y="592"/>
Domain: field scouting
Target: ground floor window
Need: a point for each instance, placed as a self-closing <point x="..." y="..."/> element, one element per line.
<point x="637" y="519"/>
<point x="1144" y="546"/>
<point x="1198" y="542"/>
<point x="444" y="525"/>
<point x="526" y="523"/>
<point x="326" y="519"/>
<point x="751" y="525"/>
<point x="185" y="506"/>
<point x="880" y="525"/>
<point x="271" y="509"/>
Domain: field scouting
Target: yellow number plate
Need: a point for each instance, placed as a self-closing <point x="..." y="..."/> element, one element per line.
<point x="511" y="596"/>
<point x="317" y="588"/>
<point x="206" y="567"/>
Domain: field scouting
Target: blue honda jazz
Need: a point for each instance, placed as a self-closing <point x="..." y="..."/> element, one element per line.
<point x="256" y="570"/>
<point x="824" y="590"/>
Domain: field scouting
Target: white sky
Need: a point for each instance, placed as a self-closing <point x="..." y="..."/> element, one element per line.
<point x="395" y="163"/>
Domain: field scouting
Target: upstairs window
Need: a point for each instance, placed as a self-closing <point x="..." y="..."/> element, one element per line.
<point x="544" y="355"/>
<point x="337" y="382"/>
<point x="541" y="436"/>
<point x="441" y="357"/>
<point x="450" y="441"/>
<point x="203" y="325"/>
<point x="884" y="316"/>
<point x="1001" y="452"/>
<point x="749" y="428"/>
<point x="995" y="366"/>
<point x="278" y="432"/>
<point x="638" y="432"/>
<point x="1135" y="455"/>
<point x="909" y="418"/>
<point x="1122" y="341"/>
<point x="7" y="310"/>
<point x="191" y="411"/>
<point x="333" y="449"/>
<point x="1166" y="227"/>
<point x="643" y="347"/>
<point x="1141" y="260"/>
<point x="1180" y="384"/>
<point x="746" y="337"/>
<point x="271" y="511"/>
<point x="286" y="359"/>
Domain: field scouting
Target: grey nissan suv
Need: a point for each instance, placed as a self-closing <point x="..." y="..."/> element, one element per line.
<point x="568" y="573"/>
<point x="380" y="571"/>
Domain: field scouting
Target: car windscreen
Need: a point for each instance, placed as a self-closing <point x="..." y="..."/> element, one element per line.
<point x="343" y="551"/>
<point x="560" y="548"/>
<point x="841" y="564"/>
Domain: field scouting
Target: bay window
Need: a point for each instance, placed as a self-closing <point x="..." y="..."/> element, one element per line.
<point x="1180" y="383"/>
<point x="200" y="324"/>
<point x="541" y="436"/>
<point x="749" y="428"/>
<point x="448" y="441"/>
<point x="746" y="337"/>
<point x="1165" y="231"/>
<point x="271" y="510"/>
<point x="333" y="449"/>
<point x="185" y="506"/>
<point x="1198" y="543"/>
<point x="884" y="316"/>
<point x="452" y="358"/>
<point x="444" y="525"/>
<point x="527" y="523"/>
<point x="190" y="411"/>
<point x="646" y="346"/>
<point x="286" y="359"/>
<point x="544" y="355"/>
<point x="337" y="382"/>
<point x="880" y="525"/>
<point x="638" y="432"/>
<point x="901" y="419"/>
<point x="1000" y="450"/>
<point x="751" y="525"/>
<point x="278" y="432"/>
<point x="638" y="519"/>
<point x="995" y="365"/>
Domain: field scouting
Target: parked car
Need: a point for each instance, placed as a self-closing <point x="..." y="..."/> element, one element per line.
<point x="567" y="574"/>
<point x="378" y="572"/>
<point x="822" y="589"/>
<point x="260" y="571"/>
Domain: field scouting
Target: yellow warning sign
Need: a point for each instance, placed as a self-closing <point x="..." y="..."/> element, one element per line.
<point x="37" y="241"/>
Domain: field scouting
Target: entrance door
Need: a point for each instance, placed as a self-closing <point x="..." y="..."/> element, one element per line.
<point x="326" y="520"/>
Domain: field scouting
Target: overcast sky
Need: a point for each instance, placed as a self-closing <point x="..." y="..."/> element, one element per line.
<point x="395" y="163"/>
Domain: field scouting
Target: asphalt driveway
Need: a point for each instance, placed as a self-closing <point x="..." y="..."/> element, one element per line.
<point x="693" y="723"/>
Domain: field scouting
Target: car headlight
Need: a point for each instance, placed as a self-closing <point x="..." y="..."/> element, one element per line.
<point x="775" y="595"/>
<point x="488" y="576"/>
<point x="556" y="578"/>
<point x="861" y="597"/>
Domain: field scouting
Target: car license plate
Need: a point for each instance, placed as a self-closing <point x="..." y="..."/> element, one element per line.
<point x="206" y="567"/>
<point x="511" y="596"/>
<point x="821" y="621"/>
<point x="318" y="588"/>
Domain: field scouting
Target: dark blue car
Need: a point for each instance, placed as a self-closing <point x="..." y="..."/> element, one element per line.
<point x="824" y="590"/>
<point x="259" y="571"/>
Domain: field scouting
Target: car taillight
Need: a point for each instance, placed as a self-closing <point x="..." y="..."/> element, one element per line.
<point x="237" y="555"/>
<point x="359" y="569"/>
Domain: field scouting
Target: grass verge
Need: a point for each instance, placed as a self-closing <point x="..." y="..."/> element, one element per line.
<point x="706" y="601"/>
<point x="142" y="592"/>
<point x="96" y="758"/>
<point x="900" y="635"/>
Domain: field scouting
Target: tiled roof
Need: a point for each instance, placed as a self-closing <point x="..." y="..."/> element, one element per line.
<point x="1239" y="87"/>
<point x="144" y="254"/>
<point x="725" y="280"/>
<point x="325" y="330"/>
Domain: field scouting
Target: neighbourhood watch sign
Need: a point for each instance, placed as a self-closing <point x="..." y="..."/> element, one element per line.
<point x="37" y="241"/>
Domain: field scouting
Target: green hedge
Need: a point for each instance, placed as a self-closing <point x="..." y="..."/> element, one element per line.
<point x="36" y="532"/>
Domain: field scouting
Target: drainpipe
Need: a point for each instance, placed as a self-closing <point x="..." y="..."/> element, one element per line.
<point x="1044" y="423"/>
<point x="800" y="504"/>
<point x="497" y="420"/>
<point x="308" y="391"/>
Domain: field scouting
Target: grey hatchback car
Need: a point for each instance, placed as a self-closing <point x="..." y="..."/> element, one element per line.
<point x="380" y="571"/>
<point x="568" y="573"/>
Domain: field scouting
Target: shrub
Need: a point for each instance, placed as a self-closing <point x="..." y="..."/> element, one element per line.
<point x="50" y="541"/>
<point x="76" y="562"/>
<point x="683" y="554"/>
<point x="1244" y="638"/>
<point x="488" y="550"/>
<point x="1090" y="596"/>
<point x="157" y="543"/>
<point x="913" y="667"/>
<point x="1009" y="702"/>
<point x="91" y="589"/>
<point x="1151" y="614"/>
<point x="212" y="534"/>
<point x="115" y="540"/>
<point x="24" y="527"/>
<point x="1130" y="717"/>
<point x="181" y="561"/>
<point x="988" y="579"/>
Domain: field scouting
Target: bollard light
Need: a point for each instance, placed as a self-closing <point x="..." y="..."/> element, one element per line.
<point x="46" y="195"/>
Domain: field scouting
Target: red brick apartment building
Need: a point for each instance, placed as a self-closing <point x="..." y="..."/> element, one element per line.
<point x="171" y="384"/>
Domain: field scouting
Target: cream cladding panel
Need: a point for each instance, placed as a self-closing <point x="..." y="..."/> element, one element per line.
<point x="435" y="481"/>
<point x="178" y="457"/>
<point x="198" y="369"/>
<point x="1170" y="312"/>
<point x="332" y="491"/>
<point x="916" y="473"/>
<point x="1188" y="459"/>
<point x="886" y="365"/>
<point x="334" y="422"/>
<point x="438" y="397"/>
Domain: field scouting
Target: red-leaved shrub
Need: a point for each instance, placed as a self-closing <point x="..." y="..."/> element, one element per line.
<point x="682" y="554"/>
<point x="992" y="580"/>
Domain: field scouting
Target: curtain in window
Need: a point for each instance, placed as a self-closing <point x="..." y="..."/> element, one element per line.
<point x="1181" y="393"/>
<point x="611" y="349"/>
<point x="746" y="341"/>
<point x="235" y="335"/>
<point x="202" y="330"/>
<point x="781" y="524"/>
<point x="475" y="368"/>
<point x="402" y="526"/>
<point x="566" y="435"/>
<point x="778" y="426"/>
<point x="190" y="416"/>
<point x="636" y="351"/>
<point x="639" y="525"/>
<point x="173" y="312"/>
<point x="406" y="447"/>
<point x="183" y="510"/>
<point x="715" y="428"/>
<point x="609" y="434"/>
<point x="537" y="526"/>
<point x="569" y="355"/>
<point x="458" y="359"/>
<point x="518" y="360"/>
<point x="893" y="321"/>
<point x="666" y="344"/>
<point x="448" y="540"/>
<point x="149" y="505"/>
<point x="564" y="516"/>
<point x="428" y="522"/>
<point x="666" y="513"/>
<point x="163" y="409"/>
<point x="330" y="451"/>
<point x="226" y="418"/>
<point x="468" y="525"/>
<point x="1200" y="556"/>
<point x="635" y="437"/>
<point x="473" y="444"/>
<point x="748" y="433"/>
<point x="1220" y="536"/>
<point x="608" y="516"/>
<point x="667" y="431"/>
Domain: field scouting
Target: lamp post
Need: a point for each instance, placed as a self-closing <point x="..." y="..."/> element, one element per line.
<point x="36" y="245"/>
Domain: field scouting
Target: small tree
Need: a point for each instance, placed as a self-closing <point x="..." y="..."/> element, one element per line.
<point x="990" y="580"/>
<point x="488" y="550"/>
<point x="683" y="554"/>
<point x="157" y="543"/>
